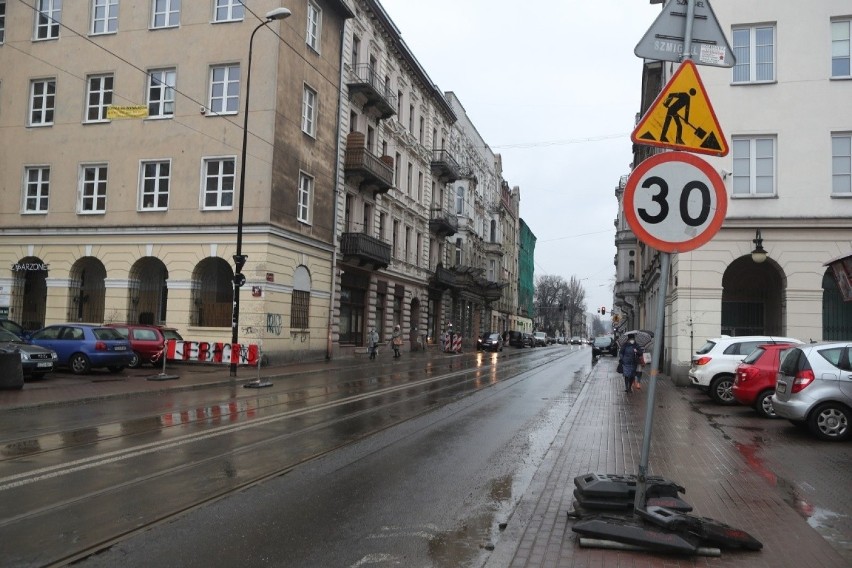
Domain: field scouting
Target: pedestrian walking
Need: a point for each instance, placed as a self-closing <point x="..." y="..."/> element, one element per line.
<point x="629" y="360"/>
<point x="396" y="341"/>
<point x="373" y="342"/>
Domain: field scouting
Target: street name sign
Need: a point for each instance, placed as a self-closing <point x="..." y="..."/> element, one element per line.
<point x="682" y="117"/>
<point x="664" y="40"/>
<point x="675" y="202"/>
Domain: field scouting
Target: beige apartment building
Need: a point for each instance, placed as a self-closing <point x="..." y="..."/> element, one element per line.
<point x="134" y="219"/>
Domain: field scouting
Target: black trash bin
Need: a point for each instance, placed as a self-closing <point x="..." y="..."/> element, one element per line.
<point x="11" y="371"/>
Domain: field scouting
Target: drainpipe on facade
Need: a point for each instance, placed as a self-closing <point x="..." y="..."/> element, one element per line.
<point x="329" y="348"/>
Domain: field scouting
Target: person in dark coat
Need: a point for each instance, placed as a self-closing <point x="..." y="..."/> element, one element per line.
<point x="630" y="358"/>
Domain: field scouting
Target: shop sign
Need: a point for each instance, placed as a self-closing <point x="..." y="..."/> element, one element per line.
<point x="30" y="267"/>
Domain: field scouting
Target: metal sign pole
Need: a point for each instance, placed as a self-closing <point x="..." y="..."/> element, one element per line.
<point x="659" y="330"/>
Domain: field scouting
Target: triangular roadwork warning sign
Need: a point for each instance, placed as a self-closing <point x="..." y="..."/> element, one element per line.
<point x="682" y="118"/>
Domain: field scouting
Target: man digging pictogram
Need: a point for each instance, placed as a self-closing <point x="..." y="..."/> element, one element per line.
<point x="673" y="103"/>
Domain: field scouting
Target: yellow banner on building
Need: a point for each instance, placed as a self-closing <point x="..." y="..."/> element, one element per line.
<point x="129" y="111"/>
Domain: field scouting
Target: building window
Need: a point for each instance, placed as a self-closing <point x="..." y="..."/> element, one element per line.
<point x="459" y="200"/>
<point x="419" y="187"/>
<point x="407" y="244"/>
<point x="312" y="35"/>
<point x="42" y="101"/>
<point x="754" y="166"/>
<point x="48" y="16"/>
<point x="309" y="111"/>
<point x="841" y="164"/>
<point x="93" y="186"/>
<point x="418" y="250"/>
<point x="104" y="16"/>
<point x="99" y="97"/>
<point x="397" y="164"/>
<point x="2" y="21"/>
<point x="754" y="49"/>
<point x="154" y="193"/>
<point x="383" y="220"/>
<point x="229" y="11"/>
<point x="409" y="186"/>
<point x="225" y="89"/>
<point x="458" y="252"/>
<point x="841" y="51"/>
<point x="306" y="190"/>
<point x="218" y="183"/>
<point x="37" y="189"/>
<point x="411" y="118"/>
<point x="166" y="14"/>
<point x="161" y="93"/>
<point x="395" y="239"/>
<point x="492" y="271"/>
<point x="299" y="309"/>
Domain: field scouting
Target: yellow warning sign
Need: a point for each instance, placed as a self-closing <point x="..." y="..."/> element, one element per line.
<point x="682" y="118"/>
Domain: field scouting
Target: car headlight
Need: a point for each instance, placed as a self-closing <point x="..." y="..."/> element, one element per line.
<point x="25" y="356"/>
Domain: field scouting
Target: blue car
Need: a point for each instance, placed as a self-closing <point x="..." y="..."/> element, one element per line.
<point x="83" y="346"/>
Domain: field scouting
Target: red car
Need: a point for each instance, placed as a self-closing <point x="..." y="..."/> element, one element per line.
<point x="754" y="383"/>
<point x="145" y="340"/>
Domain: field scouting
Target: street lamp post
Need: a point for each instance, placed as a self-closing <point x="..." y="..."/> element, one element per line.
<point x="239" y="257"/>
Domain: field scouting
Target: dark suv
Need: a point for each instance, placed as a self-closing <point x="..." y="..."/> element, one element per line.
<point x="604" y="345"/>
<point x="519" y="339"/>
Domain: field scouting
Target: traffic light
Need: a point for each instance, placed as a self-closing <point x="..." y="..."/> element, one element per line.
<point x="603" y="310"/>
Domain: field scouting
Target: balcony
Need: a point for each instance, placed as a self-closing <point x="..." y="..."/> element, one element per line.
<point x="444" y="166"/>
<point x="443" y="279"/>
<point x="494" y="248"/>
<point x="360" y="249"/>
<point x="442" y="223"/>
<point x="367" y="171"/>
<point x="492" y="292"/>
<point x="364" y="84"/>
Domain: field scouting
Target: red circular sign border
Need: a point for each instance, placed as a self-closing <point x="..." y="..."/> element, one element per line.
<point x="697" y="241"/>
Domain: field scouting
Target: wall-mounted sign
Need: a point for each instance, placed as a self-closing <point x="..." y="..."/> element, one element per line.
<point x="270" y="277"/>
<point x="30" y="267"/>
<point x="256" y="291"/>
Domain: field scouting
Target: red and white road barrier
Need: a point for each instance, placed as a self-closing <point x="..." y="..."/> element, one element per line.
<point x="212" y="352"/>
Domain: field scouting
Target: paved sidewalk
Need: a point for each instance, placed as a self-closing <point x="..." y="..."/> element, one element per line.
<point x="603" y="434"/>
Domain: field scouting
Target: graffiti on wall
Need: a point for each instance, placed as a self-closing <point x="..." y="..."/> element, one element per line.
<point x="274" y="323"/>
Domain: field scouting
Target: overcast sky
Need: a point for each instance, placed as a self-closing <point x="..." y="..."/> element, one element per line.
<point x="553" y="86"/>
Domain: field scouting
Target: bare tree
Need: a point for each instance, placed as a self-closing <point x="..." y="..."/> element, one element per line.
<point x="560" y="305"/>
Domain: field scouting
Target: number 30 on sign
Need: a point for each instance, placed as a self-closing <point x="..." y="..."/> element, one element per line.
<point x="675" y="202"/>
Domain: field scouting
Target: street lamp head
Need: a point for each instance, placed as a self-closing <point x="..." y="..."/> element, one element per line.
<point x="278" y="14"/>
<point x="759" y="254"/>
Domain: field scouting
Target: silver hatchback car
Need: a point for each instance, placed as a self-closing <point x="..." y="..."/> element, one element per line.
<point x="814" y="388"/>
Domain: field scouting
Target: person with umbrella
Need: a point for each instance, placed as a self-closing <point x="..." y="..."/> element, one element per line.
<point x="629" y="359"/>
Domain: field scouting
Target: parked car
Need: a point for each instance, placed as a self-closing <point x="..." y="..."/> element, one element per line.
<point x="530" y="339"/>
<point x="518" y="339"/>
<point x="604" y="345"/>
<point x="170" y="333"/>
<point x="540" y="339"/>
<point x="754" y="383"/>
<point x="35" y="360"/>
<point x="715" y="364"/>
<point x="13" y="326"/>
<point x="146" y="341"/>
<point x="814" y="388"/>
<point x="84" y="346"/>
<point x="489" y="342"/>
<point x="576" y="341"/>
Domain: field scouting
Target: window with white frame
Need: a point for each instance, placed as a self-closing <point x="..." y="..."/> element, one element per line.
<point x="98" y="97"/>
<point x="36" y="189"/>
<point x="754" y="166"/>
<point x="154" y="178"/>
<point x="306" y="191"/>
<point x="229" y="11"/>
<point x="2" y="21"/>
<point x="754" y="48"/>
<point x="312" y="35"/>
<point x="218" y="182"/>
<point x="104" y="16"/>
<point x="42" y="101"/>
<point x="841" y="164"/>
<point x="459" y="200"/>
<point x="161" y="93"/>
<point x="224" y="89"/>
<point x="309" y="111"/>
<point x="93" y="188"/>
<point x="458" y="252"/>
<point x="48" y="15"/>
<point x="165" y="14"/>
<point x="841" y="49"/>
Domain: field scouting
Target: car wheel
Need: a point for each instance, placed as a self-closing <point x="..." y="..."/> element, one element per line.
<point x="116" y="368"/>
<point x="79" y="364"/>
<point x="136" y="361"/>
<point x="721" y="390"/>
<point x="830" y="421"/>
<point x="763" y="404"/>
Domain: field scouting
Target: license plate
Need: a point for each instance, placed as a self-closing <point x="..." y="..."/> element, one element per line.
<point x="120" y="348"/>
<point x="44" y="365"/>
<point x="781" y="387"/>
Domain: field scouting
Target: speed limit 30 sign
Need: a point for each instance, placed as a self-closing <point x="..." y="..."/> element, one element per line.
<point x="675" y="202"/>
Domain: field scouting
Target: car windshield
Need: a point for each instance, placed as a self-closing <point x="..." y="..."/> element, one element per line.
<point x="755" y="355"/>
<point x="8" y="336"/>
<point x="602" y="341"/>
<point x="706" y="348"/>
